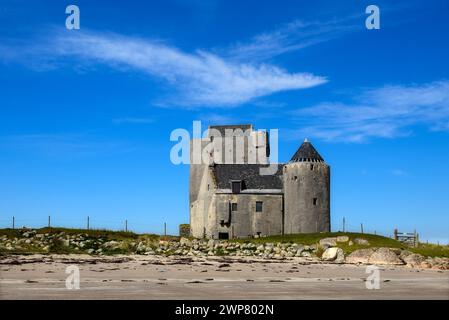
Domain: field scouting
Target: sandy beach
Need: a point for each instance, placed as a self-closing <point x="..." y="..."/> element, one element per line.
<point x="154" y="277"/>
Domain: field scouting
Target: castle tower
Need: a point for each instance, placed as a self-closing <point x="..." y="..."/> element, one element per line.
<point x="306" y="192"/>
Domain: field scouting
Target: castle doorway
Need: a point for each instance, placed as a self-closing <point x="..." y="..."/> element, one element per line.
<point x="223" y="235"/>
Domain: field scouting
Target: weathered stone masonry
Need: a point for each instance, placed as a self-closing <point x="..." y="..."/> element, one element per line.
<point x="235" y="201"/>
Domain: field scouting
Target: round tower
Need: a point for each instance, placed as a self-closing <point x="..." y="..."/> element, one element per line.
<point x="306" y="192"/>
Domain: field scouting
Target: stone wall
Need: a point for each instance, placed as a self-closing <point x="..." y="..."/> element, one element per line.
<point x="304" y="182"/>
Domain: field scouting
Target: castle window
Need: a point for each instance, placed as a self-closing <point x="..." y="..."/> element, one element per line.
<point x="236" y="186"/>
<point x="259" y="206"/>
<point x="233" y="206"/>
<point x="315" y="201"/>
<point x="223" y="235"/>
<point x="311" y="167"/>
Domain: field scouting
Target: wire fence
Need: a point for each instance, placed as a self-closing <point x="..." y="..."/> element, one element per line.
<point x="91" y="223"/>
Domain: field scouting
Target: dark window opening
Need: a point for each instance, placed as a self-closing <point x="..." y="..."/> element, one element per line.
<point x="223" y="235"/>
<point x="315" y="200"/>
<point x="311" y="167"/>
<point x="259" y="206"/>
<point x="236" y="186"/>
<point x="234" y="206"/>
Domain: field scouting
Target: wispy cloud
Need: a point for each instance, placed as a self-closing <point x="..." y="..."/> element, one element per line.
<point x="294" y="36"/>
<point x="200" y="78"/>
<point x="385" y="112"/>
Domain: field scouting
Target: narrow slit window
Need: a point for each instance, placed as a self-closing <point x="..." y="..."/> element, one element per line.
<point x="233" y="206"/>
<point x="259" y="206"/>
<point x="315" y="201"/>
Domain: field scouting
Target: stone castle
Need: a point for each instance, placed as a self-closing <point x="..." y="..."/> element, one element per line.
<point x="230" y="198"/>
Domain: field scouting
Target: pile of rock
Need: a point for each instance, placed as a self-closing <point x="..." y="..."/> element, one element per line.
<point x="326" y="250"/>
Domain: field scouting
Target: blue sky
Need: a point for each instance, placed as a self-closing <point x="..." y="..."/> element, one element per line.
<point x="86" y="115"/>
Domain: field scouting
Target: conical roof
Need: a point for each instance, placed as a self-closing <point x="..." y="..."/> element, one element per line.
<point x="306" y="153"/>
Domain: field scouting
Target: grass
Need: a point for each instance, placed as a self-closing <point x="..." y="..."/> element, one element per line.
<point x="56" y="246"/>
<point x="314" y="238"/>
<point x="432" y="250"/>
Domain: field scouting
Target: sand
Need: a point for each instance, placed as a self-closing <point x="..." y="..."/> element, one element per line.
<point x="151" y="277"/>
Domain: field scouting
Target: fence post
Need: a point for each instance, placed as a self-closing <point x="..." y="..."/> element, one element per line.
<point x="415" y="239"/>
<point x="344" y="224"/>
<point x="395" y="234"/>
<point x="13" y="222"/>
<point x="49" y="221"/>
<point x="165" y="228"/>
<point x="126" y="225"/>
<point x="361" y="227"/>
<point x="88" y="223"/>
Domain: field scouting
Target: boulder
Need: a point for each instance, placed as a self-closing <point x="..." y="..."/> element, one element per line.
<point x="413" y="260"/>
<point x="342" y="239"/>
<point x="384" y="256"/>
<point x="330" y="242"/>
<point x="359" y="256"/>
<point x="362" y="242"/>
<point x="333" y="254"/>
<point x="404" y="254"/>
<point x="211" y="243"/>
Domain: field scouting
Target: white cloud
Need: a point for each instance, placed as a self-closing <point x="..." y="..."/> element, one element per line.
<point x="385" y="112"/>
<point x="293" y="36"/>
<point x="200" y="78"/>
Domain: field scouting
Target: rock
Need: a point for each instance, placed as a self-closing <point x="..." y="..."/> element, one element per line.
<point x="404" y="253"/>
<point x="362" y="242"/>
<point x="330" y="242"/>
<point x="29" y="234"/>
<point x="211" y="243"/>
<point x="333" y="254"/>
<point x="413" y="260"/>
<point x="342" y="239"/>
<point x="261" y="248"/>
<point x="384" y="256"/>
<point x="359" y="256"/>
<point x="306" y="254"/>
<point x="427" y="264"/>
<point x="112" y="244"/>
<point x="90" y="251"/>
<point x="350" y="243"/>
<point x="299" y="250"/>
